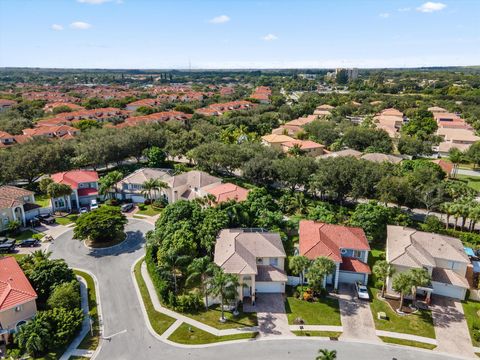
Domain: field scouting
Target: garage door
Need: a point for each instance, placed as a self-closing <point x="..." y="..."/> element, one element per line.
<point x="137" y="199"/>
<point x="451" y="291"/>
<point x="270" y="287"/>
<point x="350" y="277"/>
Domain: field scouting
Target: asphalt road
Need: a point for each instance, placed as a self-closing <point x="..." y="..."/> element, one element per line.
<point x="121" y="311"/>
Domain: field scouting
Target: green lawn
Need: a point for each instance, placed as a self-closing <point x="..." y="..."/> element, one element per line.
<point x="420" y="323"/>
<point x="27" y="234"/>
<point x="186" y="334"/>
<point x="324" y="312"/>
<point x="149" y="210"/>
<point x="472" y="181"/>
<point x="90" y="342"/>
<point x="42" y="200"/>
<point x="211" y="317"/>
<point x="418" y="344"/>
<point x="160" y="322"/>
<point x="472" y="311"/>
<point x="66" y="220"/>
<point x="330" y="334"/>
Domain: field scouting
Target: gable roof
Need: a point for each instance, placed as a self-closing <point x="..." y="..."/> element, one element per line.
<point x="195" y="179"/>
<point x="236" y="250"/>
<point x="75" y="177"/>
<point x="320" y="239"/>
<point x="379" y="158"/>
<point x="446" y="166"/>
<point x="10" y="194"/>
<point x="141" y="175"/>
<point x="228" y="191"/>
<point x="412" y="248"/>
<point x="15" y="288"/>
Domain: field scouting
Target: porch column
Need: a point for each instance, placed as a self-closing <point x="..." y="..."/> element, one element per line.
<point x="336" y="276"/>
<point x="78" y="201"/>
<point x="24" y="221"/>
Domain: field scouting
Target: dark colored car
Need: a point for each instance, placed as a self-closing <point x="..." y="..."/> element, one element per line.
<point x="29" y="243"/>
<point x="127" y="207"/>
<point x="7" y="246"/>
<point x="3" y="239"/>
<point x="46" y="219"/>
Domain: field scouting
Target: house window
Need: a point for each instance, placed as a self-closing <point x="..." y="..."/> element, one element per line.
<point x="274" y="261"/>
<point x="18" y="308"/>
<point x="343" y="251"/>
<point x="259" y="261"/>
<point x="357" y="253"/>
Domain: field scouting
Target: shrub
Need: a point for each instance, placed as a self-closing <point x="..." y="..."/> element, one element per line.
<point x="147" y="202"/>
<point x="160" y="203"/>
<point x="37" y="236"/>
<point x="112" y="202"/>
<point x="66" y="295"/>
<point x="188" y="303"/>
<point x="308" y="295"/>
<point x="161" y="286"/>
<point x="142" y="206"/>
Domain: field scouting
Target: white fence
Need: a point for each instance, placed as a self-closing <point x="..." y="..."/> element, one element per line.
<point x="293" y="280"/>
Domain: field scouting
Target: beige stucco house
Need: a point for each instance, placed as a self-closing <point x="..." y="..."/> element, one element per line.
<point x="256" y="256"/>
<point x="15" y="203"/>
<point x="442" y="256"/>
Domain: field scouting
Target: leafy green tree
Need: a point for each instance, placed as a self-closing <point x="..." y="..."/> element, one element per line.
<point x="382" y="271"/>
<point x="100" y="225"/>
<point x="414" y="146"/>
<point x="224" y="286"/>
<point x="318" y="270"/>
<point x="56" y="190"/>
<point x="65" y="295"/>
<point x="294" y="172"/>
<point x="373" y="219"/>
<point x="369" y="140"/>
<point x="87" y="124"/>
<point x="473" y="153"/>
<point x="200" y="269"/>
<point x="298" y="266"/>
<point x="325" y="132"/>
<point x="173" y="265"/>
<point x="155" y="157"/>
<point x="396" y="189"/>
<point x="421" y="127"/>
<point x="341" y="77"/>
<point x="456" y="156"/>
<point x="34" y="337"/>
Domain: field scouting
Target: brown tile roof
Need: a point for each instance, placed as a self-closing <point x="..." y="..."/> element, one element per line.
<point x="10" y="194"/>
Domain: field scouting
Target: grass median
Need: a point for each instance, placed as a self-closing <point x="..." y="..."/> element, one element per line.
<point x="190" y="335"/>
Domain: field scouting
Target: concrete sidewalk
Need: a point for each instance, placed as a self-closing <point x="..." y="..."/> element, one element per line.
<point x="158" y="307"/>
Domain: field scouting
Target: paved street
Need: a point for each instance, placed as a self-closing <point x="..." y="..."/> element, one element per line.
<point x="121" y="311"/>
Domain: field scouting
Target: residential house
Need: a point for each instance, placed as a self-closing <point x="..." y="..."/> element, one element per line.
<point x="437" y="109"/>
<point x="131" y="186"/>
<point x="442" y="256"/>
<point x="343" y="153"/>
<point x="15" y="204"/>
<point x="323" y="110"/>
<point x="17" y="298"/>
<point x="389" y="120"/>
<point x="226" y="192"/>
<point x="84" y="184"/>
<point x="450" y="121"/>
<point x="262" y="94"/>
<point x="256" y="256"/>
<point x="221" y="108"/>
<point x="380" y="158"/>
<point x="346" y="246"/>
<point x="276" y="141"/>
<point x="133" y="106"/>
<point x="6" y="139"/>
<point x="308" y="147"/>
<point x="52" y="106"/>
<point x="189" y="185"/>
<point x="446" y="166"/>
<point x="6" y="104"/>
<point x="460" y="139"/>
<point x="60" y="131"/>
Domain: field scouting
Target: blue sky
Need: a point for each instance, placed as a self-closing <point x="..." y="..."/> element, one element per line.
<point x="238" y="33"/>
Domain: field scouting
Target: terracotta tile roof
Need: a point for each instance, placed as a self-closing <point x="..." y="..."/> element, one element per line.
<point x="320" y="239"/>
<point x="14" y="286"/>
<point x="6" y="103"/>
<point x="354" y="265"/>
<point x="228" y="191"/>
<point x="446" y="166"/>
<point x="5" y="135"/>
<point x="304" y="144"/>
<point x="10" y="194"/>
<point x="75" y="177"/>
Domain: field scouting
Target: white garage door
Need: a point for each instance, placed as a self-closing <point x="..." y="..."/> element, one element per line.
<point x="451" y="291"/>
<point x="269" y="287"/>
<point x="137" y="199"/>
<point x="350" y="277"/>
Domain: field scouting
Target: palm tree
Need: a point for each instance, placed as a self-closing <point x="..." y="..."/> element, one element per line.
<point x="320" y="268"/>
<point x="201" y="269"/>
<point x="56" y="190"/>
<point x="456" y="157"/>
<point x="173" y="265"/>
<point x="474" y="216"/>
<point x="152" y="185"/>
<point x="325" y="354"/>
<point x="447" y="208"/>
<point x="223" y="285"/>
<point x="382" y="271"/>
<point x="402" y="283"/>
<point x="298" y="265"/>
<point x="296" y="150"/>
<point x="108" y="182"/>
<point x="419" y="277"/>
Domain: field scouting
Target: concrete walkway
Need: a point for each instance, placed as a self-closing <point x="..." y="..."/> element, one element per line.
<point x="451" y="327"/>
<point x="356" y="316"/>
<point x="185" y="319"/>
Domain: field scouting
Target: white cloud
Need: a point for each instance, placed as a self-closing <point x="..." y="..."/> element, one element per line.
<point x="429" y="7"/>
<point x="219" y="19"/>
<point x="405" y="9"/>
<point x="269" y="37"/>
<point x="93" y="2"/>
<point x="384" y="15"/>
<point x="56" y="27"/>
<point x="80" y="25"/>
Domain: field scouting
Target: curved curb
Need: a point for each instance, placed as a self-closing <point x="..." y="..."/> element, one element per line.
<point x="84" y="242"/>
<point x="99" y="311"/>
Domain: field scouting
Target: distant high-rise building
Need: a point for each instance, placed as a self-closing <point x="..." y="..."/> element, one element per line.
<point x="352" y="73"/>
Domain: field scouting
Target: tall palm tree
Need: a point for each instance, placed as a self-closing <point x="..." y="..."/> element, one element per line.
<point x="225" y="286"/>
<point x="173" y="265"/>
<point x="474" y="216"/>
<point x="320" y="268"/>
<point x="419" y="277"/>
<point x="152" y="186"/>
<point x="201" y="269"/>
<point x="56" y="190"/>
<point x="382" y="271"/>
<point x="456" y="157"/>
<point x="108" y="182"/>
<point x="298" y="265"/>
<point x="447" y="208"/>
<point x="402" y="283"/>
<point x="325" y="354"/>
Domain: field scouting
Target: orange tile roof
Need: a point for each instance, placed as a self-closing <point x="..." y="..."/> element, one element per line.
<point x="15" y="288"/>
<point x="75" y="177"/>
<point x="228" y="191"/>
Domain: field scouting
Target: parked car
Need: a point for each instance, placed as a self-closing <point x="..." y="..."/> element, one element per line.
<point x="46" y="219"/>
<point x="362" y="291"/>
<point x="3" y="239"/>
<point x="83" y="210"/>
<point x="7" y="246"/>
<point x="127" y="207"/>
<point x="29" y="243"/>
<point x="93" y="204"/>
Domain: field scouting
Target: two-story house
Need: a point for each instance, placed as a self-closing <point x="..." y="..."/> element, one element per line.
<point x="17" y="298"/>
<point x="15" y="204"/>
<point x="131" y="186"/>
<point x="442" y="256"/>
<point x="347" y="246"/>
<point x="84" y="184"/>
<point x="256" y="256"/>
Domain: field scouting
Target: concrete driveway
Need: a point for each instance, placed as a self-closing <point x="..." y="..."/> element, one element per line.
<point x="272" y="319"/>
<point x="357" y="319"/>
<point x="451" y="327"/>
